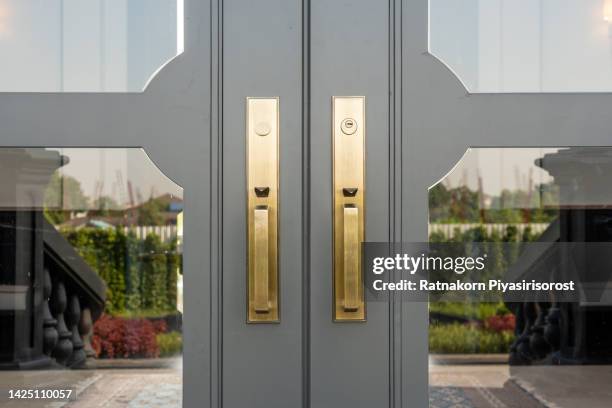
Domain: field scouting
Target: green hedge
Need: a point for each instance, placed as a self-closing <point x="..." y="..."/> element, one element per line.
<point x="170" y="344"/>
<point x="139" y="274"/>
<point x="472" y="311"/>
<point x="466" y="339"/>
<point x="504" y="249"/>
<point x="463" y="205"/>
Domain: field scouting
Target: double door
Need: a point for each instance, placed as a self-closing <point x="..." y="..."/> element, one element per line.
<point x="310" y="152"/>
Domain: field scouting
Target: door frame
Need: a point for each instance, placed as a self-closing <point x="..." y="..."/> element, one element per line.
<point x="177" y="120"/>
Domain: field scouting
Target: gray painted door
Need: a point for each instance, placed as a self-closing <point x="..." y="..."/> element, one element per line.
<point x="305" y="53"/>
<point x="420" y="120"/>
<point x="190" y="120"/>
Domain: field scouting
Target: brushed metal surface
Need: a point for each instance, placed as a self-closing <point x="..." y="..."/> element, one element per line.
<point x="351" y="259"/>
<point x="349" y="206"/>
<point x="261" y="268"/>
<point x="262" y="209"/>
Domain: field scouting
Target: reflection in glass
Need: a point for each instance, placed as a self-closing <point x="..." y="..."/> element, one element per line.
<point x="90" y="265"/>
<point x="524" y="45"/>
<point x="532" y="351"/>
<point x="86" y="45"/>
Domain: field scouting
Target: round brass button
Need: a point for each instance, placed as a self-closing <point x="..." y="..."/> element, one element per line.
<point x="348" y="126"/>
<point x="262" y="129"/>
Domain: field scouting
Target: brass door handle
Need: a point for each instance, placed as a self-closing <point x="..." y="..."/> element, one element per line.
<point x="349" y="207"/>
<point x="351" y="258"/>
<point x="261" y="272"/>
<point x="262" y="139"/>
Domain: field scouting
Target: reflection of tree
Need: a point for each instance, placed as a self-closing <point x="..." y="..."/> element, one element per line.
<point x="151" y="212"/>
<point x="104" y="205"/>
<point x="140" y="274"/>
<point x="462" y="205"/>
<point x="63" y="195"/>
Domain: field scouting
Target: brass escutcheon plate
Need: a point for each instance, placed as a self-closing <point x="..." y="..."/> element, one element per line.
<point x="348" y="132"/>
<point x="262" y="164"/>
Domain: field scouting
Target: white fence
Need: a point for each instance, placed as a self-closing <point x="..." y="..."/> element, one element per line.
<point x="449" y="230"/>
<point x="169" y="232"/>
<point x="165" y="232"/>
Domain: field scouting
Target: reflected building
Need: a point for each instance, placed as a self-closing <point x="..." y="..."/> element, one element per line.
<point x="572" y="332"/>
<point x="49" y="297"/>
<point x="89" y="273"/>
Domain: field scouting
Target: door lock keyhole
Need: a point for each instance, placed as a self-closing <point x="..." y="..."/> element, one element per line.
<point x="348" y="126"/>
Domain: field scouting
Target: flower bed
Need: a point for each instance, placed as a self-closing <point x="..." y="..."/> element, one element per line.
<point x="118" y="337"/>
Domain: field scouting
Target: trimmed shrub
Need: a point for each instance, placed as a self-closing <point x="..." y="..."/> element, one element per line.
<point x="470" y="311"/>
<point x="467" y="339"/>
<point x="116" y="337"/>
<point x="159" y="326"/>
<point x="154" y="270"/>
<point x="139" y="274"/>
<point x="499" y="324"/>
<point x="169" y="344"/>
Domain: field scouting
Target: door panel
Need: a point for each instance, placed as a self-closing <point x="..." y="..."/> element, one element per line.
<point x="171" y="120"/>
<point x="262" y="363"/>
<point x="349" y="56"/>
<point x="440" y="120"/>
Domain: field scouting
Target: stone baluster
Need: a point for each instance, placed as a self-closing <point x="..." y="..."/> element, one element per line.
<point x="537" y="341"/>
<point x="552" y="330"/>
<point x="63" y="348"/>
<point x="50" y="335"/>
<point x="520" y="350"/>
<point x="86" y="332"/>
<point x="73" y="314"/>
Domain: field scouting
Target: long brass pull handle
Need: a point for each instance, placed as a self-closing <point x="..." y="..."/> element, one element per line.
<point x="262" y="165"/>
<point x="262" y="272"/>
<point x="351" y="258"/>
<point x="348" y="136"/>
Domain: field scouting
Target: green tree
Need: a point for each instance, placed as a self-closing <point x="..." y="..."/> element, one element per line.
<point x="105" y="205"/>
<point x="151" y="212"/>
<point x="439" y="203"/>
<point x="63" y="194"/>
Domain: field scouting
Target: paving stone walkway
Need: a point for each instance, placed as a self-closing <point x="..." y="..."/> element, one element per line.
<point x="165" y="395"/>
<point x="477" y="386"/>
<point x="451" y="386"/>
<point x="129" y="388"/>
<point x="448" y="397"/>
<point x="502" y="386"/>
<point x="105" y="388"/>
